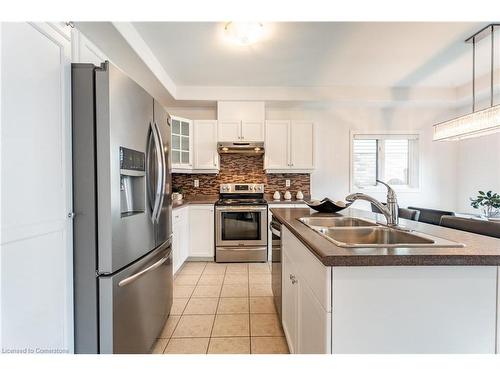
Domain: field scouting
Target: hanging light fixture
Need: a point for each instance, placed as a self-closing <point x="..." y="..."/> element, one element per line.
<point x="477" y="123"/>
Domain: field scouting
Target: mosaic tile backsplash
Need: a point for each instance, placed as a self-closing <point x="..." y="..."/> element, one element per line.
<point x="242" y="168"/>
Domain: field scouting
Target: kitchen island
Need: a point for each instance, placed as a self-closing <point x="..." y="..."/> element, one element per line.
<point x="388" y="300"/>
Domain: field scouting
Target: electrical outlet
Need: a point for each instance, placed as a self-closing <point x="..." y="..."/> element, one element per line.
<point x="196" y="183"/>
<point x="287" y="183"/>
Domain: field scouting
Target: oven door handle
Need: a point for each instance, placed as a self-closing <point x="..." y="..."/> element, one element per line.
<point x="241" y="208"/>
<point x="274" y="230"/>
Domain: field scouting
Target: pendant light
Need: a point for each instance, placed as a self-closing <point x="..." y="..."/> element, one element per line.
<point x="477" y="123"/>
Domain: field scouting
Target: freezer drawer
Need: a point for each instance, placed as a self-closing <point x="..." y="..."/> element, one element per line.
<point x="135" y="303"/>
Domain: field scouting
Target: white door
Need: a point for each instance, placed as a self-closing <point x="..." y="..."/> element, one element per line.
<point x="201" y="231"/>
<point x="229" y="131"/>
<point x="205" y="144"/>
<point x="289" y="305"/>
<point x="302" y="145"/>
<point x="252" y="131"/>
<point x="36" y="236"/>
<point x="84" y="51"/>
<point x="276" y="155"/>
<point x="313" y="323"/>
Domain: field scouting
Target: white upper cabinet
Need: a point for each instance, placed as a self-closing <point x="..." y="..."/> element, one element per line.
<point x="301" y="145"/>
<point x="276" y="148"/>
<point x="205" y="145"/>
<point x="241" y="121"/>
<point x="182" y="143"/>
<point x="289" y="146"/>
<point x="252" y="131"/>
<point x="237" y="131"/>
<point x="229" y="131"/>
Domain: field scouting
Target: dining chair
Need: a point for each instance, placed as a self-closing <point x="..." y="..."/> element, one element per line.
<point x="431" y="216"/>
<point x="485" y="227"/>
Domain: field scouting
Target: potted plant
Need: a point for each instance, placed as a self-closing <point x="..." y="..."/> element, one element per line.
<point x="177" y="192"/>
<point x="489" y="202"/>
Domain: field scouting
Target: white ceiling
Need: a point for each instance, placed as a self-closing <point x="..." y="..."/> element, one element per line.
<point x="315" y="54"/>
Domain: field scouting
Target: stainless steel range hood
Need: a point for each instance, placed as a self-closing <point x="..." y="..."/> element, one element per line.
<point x="249" y="148"/>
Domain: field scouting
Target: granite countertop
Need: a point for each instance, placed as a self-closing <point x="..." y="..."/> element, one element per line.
<point x="478" y="250"/>
<point x="197" y="199"/>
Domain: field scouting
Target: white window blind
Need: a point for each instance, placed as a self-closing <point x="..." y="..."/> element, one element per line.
<point x="392" y="158"/>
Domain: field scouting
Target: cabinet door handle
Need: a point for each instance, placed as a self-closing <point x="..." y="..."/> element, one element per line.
<point x="293" y="279"/>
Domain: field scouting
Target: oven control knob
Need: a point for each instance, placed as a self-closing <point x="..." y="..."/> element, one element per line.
<point x="251" y="187"/>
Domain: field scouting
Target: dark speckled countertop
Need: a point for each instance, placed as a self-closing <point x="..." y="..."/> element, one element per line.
<point x="197" y="199"/>
<point x="478" y="250"/>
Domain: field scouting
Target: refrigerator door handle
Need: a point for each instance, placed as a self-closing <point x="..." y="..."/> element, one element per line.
<point x="135" y="276"/>
<point x="148" y="179"/>
<point x="163" y="170"/>
<point x="159" y="175"/>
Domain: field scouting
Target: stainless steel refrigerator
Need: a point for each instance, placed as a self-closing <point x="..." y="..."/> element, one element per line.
<point x="122" y="212"/>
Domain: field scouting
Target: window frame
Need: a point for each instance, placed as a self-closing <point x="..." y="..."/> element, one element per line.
<point x="414" y="160"/>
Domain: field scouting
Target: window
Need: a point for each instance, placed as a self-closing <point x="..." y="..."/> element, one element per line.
<point x="392" y="158"/>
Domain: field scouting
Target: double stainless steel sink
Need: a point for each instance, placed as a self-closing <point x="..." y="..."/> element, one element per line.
<point x="346" y="231"/>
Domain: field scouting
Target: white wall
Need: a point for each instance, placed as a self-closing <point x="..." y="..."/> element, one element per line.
<point x="478" y="163"/>
<point x="478" y="168"/>
<point x="333" y="125"/>
<point x="194" y="113"/>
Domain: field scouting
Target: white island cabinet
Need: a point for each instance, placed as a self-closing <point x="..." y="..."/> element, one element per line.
<point x="306" y="295"/>
<point x="386" y="309"/>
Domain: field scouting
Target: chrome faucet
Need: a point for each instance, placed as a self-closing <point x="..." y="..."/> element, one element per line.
<point x="391" y="211"/>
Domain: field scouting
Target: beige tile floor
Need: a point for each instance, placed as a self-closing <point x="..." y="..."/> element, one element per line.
<point x="222" y="309"/>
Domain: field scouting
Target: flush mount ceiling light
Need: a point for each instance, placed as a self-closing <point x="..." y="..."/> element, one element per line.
<point x="477" y="123"/>
<point x="244" y="33"/>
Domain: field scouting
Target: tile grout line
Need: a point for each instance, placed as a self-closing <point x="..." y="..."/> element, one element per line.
<point x="216" y="308"/>
<point x="249" y="316"/>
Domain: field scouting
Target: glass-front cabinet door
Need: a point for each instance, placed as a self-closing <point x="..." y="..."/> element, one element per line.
<point x="182" y="143"/>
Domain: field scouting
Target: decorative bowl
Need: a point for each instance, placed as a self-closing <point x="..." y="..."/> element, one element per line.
<point x="328" y="206"/>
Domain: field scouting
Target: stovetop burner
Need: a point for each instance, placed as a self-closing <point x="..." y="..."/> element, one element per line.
<point x="241" y="194"/>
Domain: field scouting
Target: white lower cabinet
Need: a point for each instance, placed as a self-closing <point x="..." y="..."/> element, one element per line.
<point x="201" y="230"/>
<point x="180" y="240"/>
<point x="193" y="233"/>
<point x="306" y="322"/>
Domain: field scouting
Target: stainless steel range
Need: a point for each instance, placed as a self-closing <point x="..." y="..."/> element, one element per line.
<point x="241" y="224"/>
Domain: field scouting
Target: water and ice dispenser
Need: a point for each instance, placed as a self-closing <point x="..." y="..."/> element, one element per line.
<point x="132" y="182"/>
